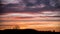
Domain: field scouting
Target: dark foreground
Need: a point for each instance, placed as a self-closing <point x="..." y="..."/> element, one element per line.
<point x="28" y="31"/>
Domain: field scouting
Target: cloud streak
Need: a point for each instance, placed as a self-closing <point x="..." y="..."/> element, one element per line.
<point x="29" y="16"/>
<point x="9" y="1"/>
<point x="44" y="13"/>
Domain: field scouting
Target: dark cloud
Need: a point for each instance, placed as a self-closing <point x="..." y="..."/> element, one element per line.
<point x="29" y="5"/>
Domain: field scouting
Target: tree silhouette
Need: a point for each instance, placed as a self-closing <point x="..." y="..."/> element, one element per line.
<point x="16" y="27"/>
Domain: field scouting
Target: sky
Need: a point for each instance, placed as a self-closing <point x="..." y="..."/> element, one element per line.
<point x="28" y="5"/>
<point x="29" y="21"/>
<point x="30" y="12"/>
<point x="18" y="5"/>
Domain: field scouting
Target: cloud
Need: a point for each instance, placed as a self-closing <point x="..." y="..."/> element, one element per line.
<point x="44" y="13"/>
<point x="9" y="1"/>
<point x="30" y="16"/>
<point x="18" y="15"/>
<point x="32" y="1"/>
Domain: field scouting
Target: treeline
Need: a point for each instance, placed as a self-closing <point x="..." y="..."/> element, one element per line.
<point x="25" y="30"/>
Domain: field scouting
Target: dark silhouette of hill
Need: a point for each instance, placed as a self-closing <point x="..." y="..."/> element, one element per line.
<point x="29" y="31"/>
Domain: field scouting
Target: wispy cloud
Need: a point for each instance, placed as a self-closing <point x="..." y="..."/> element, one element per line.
<point x="9" y="1"/>
<point x="31" y="16"/>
